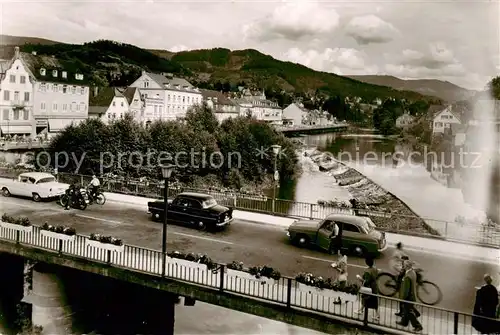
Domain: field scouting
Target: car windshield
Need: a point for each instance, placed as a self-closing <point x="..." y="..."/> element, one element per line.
<point x="367" y="226"/>
<point x="46" y="180"/>
<point x="209" y="203"/>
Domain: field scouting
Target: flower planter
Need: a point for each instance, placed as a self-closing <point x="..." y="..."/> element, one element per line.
<point x="16" y="226"/>
<point x="186" y="265"/>
<point x="59" y="236"/>
<point x="105" y="246"/>
<point x="236" y="275"/>
<point x="307" y="291"/>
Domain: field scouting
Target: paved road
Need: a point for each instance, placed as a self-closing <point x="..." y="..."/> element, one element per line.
<point x="254" y="244"/>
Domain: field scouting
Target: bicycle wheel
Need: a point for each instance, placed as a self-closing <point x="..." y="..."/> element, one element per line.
<point x="429" y="293"/>
<point x="387" y="284"/>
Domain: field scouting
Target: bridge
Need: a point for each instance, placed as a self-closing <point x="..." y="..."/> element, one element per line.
<point x="285" y="299"/>
<point x="303" y="129"/>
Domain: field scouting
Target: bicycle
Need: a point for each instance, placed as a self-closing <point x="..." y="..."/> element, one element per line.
<point x="386" y="280"/>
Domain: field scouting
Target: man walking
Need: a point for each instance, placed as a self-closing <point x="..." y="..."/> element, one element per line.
<point x="486" y="306"/>
<point x="408" y="293"/>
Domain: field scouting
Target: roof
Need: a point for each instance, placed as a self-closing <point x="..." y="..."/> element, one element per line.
<point x="37" y="175"/>
<point x="199" y="196"/>
<point x="221" y="98"/>
<point x="162" y="80"/>
<point x="450" y="109"/>
<point x="35" y="63"/>
<point x="97" y="110"/>
<point x="303" y="109"/>
<point x="129" y="93"/>
<point x="353" y="219"/>
<point x="258" y="102"/>
<point x="104" y="96"/>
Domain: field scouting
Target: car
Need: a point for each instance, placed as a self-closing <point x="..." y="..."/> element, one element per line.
<point x="359" y="234"/>
<point x="193" y="209"/>
<point x="36" y="185"/>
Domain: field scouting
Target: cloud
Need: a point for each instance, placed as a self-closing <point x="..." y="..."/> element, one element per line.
<point x="368" y="29"/>
<point x="293" y="21"/>
<point x="337" y="60"/>
<point x="437" y="61"/>
<point x="178" y="48"/>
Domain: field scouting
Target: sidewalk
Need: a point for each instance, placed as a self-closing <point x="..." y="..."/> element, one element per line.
<point x="428" y="245"/>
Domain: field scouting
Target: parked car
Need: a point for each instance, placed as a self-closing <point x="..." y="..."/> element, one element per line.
<point x="193" y="209"/>
<point x="36" y="185"/>
<point x="359" y="234"/>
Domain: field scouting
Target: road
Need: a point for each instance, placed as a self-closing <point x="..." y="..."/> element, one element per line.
<point x="254" y="244"/>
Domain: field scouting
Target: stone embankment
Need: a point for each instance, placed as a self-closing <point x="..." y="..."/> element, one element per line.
<point x="392" y="213"/>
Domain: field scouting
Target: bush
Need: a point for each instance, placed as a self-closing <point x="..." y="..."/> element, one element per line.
<point x="106" y="239"/>
<point x="22" y="221"/>
<point x="70" y="231"/>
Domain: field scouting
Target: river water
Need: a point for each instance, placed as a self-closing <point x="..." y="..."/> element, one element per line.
<point x="412" y="184"/>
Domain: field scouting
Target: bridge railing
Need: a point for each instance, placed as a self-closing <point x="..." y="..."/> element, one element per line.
<point x="481" y="234"/>
<point x="285" y="291"/>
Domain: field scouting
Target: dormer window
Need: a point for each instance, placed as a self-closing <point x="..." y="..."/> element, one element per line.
<point x="42" y="71"/>
<point x="54" y="73"/>
<point x="146" y="84"/>
<point x="79" y="76"/>
<point x="64" y="74"/>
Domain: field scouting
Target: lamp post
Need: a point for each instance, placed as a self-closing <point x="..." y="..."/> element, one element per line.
<point x="166" y="171"/>
<point x="276" y="150"/>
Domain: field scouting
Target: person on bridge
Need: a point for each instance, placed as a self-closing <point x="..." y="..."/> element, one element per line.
<point x="408" y="293"/>
<point x="369" y="283"/>
<point x="94" y="187"/>
<point x="486" y="306"/>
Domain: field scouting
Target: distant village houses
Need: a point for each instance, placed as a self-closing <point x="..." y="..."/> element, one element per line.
<point x="405" y="120"/>
<point x="444" y="119"/>
<point x="223" y="107"/>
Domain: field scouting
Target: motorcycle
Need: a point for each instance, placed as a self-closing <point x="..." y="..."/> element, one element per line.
<point x="82" y="200"/>
<point x="99" y="199"/>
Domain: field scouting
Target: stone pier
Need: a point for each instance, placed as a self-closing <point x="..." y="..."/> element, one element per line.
<point x="48" y="300"/>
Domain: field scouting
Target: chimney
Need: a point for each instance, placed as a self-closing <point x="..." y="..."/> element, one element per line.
<point x="96" y="91"/>
<point x="143" y="72"/>
<point x="16" y="52"/>
<point x="33" y="53"/>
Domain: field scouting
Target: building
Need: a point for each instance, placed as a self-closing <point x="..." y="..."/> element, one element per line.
<point x="136" y="105"/>
<point x="108" y="104"/>
<point x="257" y="106"/>
<point x="61" y="96"/>
<point x="444" y="119"/>
<point x="166" y="97"/>
<point x="223" y="107"/>
<point x="404" y="120"/>
<point x="16" y="102"/>
<point x="294" y="114"/>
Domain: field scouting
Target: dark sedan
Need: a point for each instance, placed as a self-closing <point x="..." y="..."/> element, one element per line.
<point x="193" y="209"/>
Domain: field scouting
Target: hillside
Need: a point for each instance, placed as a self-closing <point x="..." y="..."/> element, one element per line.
<point x="118" y="64"/>
<point x="441" y="89"/>
<point x="20" y="40"/>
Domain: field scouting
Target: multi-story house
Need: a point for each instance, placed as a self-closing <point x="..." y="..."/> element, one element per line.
<point x="16" y="97"/>
<point x="444" y="119"/>
<point x="294" y="114"/>
<point x="176" y="95"/>
<point x="135" y="102"/>
<point x="257" y="106"/>
<point x="223" y="107"/>
<point x="108" y="103"/>
<point x="404" y="120"/>
<point x="60" y="95"/>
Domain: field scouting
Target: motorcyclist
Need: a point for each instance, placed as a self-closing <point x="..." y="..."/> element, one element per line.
<point x="94" y="187"/>
<point x="71" y="192"/>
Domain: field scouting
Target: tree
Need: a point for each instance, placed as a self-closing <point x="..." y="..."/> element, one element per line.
<point x="494" y="87"/>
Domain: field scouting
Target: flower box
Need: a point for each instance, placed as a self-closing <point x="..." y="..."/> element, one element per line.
<point x="186" y="265"/>
<point x="307" y="290"/>
<point x="13" y="226"/>
<point x="59" y="236"/>
<point x="106" y="246"/>
<point x="237" y="276"/>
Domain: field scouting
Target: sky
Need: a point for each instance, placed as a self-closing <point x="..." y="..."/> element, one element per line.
<point x="457" y="41"/>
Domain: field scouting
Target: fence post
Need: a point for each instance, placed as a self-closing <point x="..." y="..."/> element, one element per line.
<point x="136" y="188"/>
<point x="109" y="257"/>
<point x="235" y="201"/>
<point x="289" y="293"/>
<point x="446" y="228"/>
<point x="60" y="246"/>
<point x="311" y="209"/>
<point x="18" y="236"/>
<point x="222" y="272"/>
<point x="455" y="322"/>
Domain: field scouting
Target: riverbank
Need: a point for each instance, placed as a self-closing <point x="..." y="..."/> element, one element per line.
<point x="369" y="195"/>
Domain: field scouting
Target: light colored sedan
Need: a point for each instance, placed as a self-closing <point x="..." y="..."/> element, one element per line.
<point x="36" y="185"/>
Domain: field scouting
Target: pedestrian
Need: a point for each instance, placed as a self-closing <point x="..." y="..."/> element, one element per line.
<point x="369" y="285"/>
<point x="408" y="293"/>
<point x="485" y="306"/>
<point x="341" y="267"/>
<point x="335" y="246"/>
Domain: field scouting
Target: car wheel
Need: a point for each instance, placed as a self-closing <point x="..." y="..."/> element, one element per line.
<point x="202" y="226"/>
<point x="156" y="216"/>
<point x="359" y="251"/>
<point x="5" y="192"/>
<point x="302" y="240"/>
<point x="36" y="197"/>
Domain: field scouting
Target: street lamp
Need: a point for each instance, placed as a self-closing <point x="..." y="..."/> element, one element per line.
<point x="166" y="171"/>
<point x="276" y="150"/>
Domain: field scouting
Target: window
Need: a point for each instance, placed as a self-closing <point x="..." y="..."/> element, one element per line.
<point x="82" y="90"/>
<point x="188" y="99"/>
<point x="109" y="116"/>
<point x="54" y="106"/>
<point x="42" y="71"/>
<point x="12" y="78"/>
<point x="42" y="106"/>
<point x="65" y="88"/>
<point x="16" y="114"/>
<point x="73" y="106"/>
<point x="64" y="74"/>
<point x="350" y="227"/>
<point x="168" y="97"/>
<point x="6" y="95"/>
<point x="73" y="89"/>
<point x="65" y="107"/>
<point x="43" y="87"/>
<point x="54" y="73"/>
<point x="121" y="103"/>
<point x="23" y="79"/>
<point x="114" y="115"/>
<point x="146" y="84"/>
<point x="328" y="225"/>
<point x="5" y="115"/>
<point x="183" y="99"/>
<point x="16" y="96"/>
<point x="114" y="103"/>
<point x="82" y="106"/>
<point x="26" y="114"/>
<point x="55" y="88"/>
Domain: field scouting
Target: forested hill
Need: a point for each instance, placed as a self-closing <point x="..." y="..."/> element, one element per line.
<point x="118" y="64"/>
